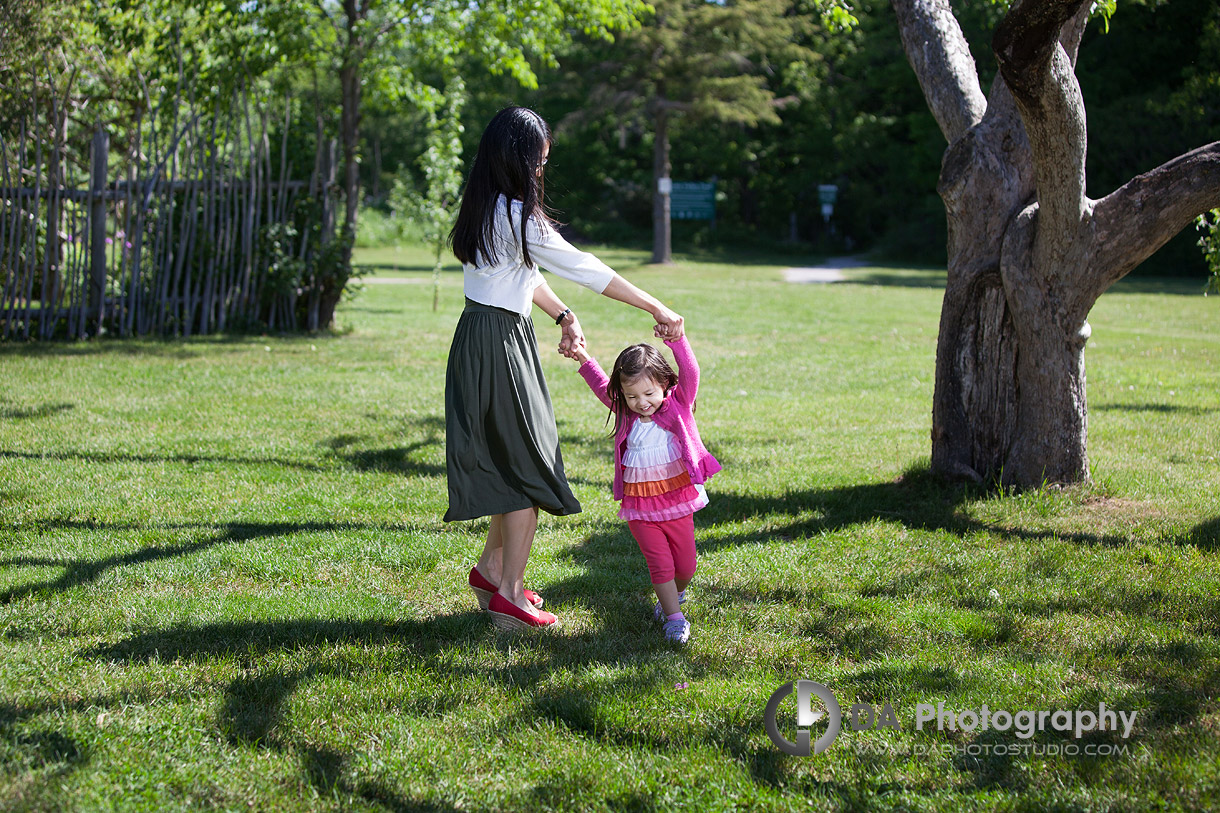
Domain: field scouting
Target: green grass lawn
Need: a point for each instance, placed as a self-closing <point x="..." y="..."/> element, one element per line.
<point x="225" y="583"/>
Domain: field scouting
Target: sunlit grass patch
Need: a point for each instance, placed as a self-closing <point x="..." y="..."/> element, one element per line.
<point x="225" y="582"/>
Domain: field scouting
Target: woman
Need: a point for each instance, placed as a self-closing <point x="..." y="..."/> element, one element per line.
<point x="501" y="444"/>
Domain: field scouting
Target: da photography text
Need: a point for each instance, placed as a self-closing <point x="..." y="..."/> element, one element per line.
<point x="827" y="722"/>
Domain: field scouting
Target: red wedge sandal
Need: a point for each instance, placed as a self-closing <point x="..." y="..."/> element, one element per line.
<point x="484" y="589"/>
<point x="508" y="616"/>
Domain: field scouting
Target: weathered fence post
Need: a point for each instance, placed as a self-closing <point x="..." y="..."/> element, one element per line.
<point x="326" y="166"/>
<point x="97" y="225"/>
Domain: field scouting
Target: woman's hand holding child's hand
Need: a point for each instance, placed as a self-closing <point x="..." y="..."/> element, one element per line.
<point x="669" y="324"/>
<point x="579" y="354"/>
<point x="577" y="351"/>
<point x="572" y="345"/>
<point x="573" y="337"/>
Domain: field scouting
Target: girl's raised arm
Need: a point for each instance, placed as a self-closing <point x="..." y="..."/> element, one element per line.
<point x="688" y="369"/>
<point x="595" y="377"/>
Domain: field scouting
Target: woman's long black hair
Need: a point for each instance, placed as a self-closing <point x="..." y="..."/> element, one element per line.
<point x="507" y="163"/>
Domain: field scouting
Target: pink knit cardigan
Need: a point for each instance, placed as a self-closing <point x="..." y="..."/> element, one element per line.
<point x="674" y="415"/>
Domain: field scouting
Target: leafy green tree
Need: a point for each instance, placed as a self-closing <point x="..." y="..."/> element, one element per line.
<point x="862" y="124"/>
<point x="1208" y="224"/>
<point x="24" y="31"/>
<point x="696" y="61"/>
<point x="362" y="42"/>
<point x="441" y="165"/>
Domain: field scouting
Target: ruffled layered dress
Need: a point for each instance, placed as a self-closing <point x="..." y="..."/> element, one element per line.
<point x="656" y="484"/>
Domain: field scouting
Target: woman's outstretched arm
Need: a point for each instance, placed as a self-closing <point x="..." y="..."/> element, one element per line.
<point x="669" y="324"/>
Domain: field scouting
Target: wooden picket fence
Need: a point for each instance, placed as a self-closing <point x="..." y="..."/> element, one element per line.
<point x="192" y="231"/>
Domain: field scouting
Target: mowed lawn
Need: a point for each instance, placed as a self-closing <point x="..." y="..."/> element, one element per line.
<point x="225" y="582"/>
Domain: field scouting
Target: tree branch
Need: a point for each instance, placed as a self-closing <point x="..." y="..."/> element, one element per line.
<point x="1026" y="40"/>
<point x="1139" y="217"/>
<point x="1073" y="33"/>
<point x="326" y="15"/>
<point x="1039" y="71"/>
<point x="940" y="56"/>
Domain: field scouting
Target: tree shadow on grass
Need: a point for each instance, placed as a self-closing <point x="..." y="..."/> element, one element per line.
<point x="161" y="457"/>
<point x="922" y="502"/>
<point x="40" y="758"/>
<point x="15" y="413"/>
<point x="49" y="755"/>
<point x="1173" y="683"/>
<point x="175" y="348"/>
<point x="1161" y="408"/>
<point x="1206" y="535"/>
<point x="396" y="460"/>
<point x="81" y="571"/>
<point x="935" y="277"/>
<point x="253" y="705"/>
<point x="325" y="769"/>
<point x="918" y="500"/>
<point x="405" y="459"/>
<point x="927" y="279"/>
<point x="1137" y="284"/>
<point x="1160" y="709"/>
<point x="402" y="460"/>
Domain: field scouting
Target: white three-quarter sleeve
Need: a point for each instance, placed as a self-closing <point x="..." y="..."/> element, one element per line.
<point x="549" y="250"/>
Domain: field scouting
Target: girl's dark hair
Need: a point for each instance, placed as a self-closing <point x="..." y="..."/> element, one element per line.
<point x="636" y="361"/>
<point x="507" y="163"/>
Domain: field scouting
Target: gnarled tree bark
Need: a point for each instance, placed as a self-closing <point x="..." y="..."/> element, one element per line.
<point x="1029" y="252"/>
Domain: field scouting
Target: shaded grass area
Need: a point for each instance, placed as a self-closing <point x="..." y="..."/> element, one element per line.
<point x="224" y="581"/>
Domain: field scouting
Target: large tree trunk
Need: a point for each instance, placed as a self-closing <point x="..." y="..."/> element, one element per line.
<point x="356" y="13"/>
<point x="983" y="183"/>
<point x="1029" y="253"/>
<point x="662" y="243"/>
<point x="1049" y="441"/>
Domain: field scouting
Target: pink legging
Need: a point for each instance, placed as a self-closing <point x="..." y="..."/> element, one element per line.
<point x="668" y="547"/>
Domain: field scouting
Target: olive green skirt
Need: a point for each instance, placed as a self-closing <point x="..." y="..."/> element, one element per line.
<point x="501" y="444"/>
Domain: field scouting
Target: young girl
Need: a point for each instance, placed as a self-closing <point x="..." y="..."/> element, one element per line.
<point x="660" y="463"/>
<point x="501" y="445"/>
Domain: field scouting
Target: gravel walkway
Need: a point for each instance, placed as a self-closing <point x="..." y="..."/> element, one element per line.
<point x="830" y="271"/>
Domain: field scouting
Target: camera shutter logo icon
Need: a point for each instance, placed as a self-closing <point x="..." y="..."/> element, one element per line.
<point x="806" y="718"/>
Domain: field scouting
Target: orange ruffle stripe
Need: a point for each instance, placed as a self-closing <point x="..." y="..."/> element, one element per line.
<point x="655" y="488"/>
<point x="682" y="496"/>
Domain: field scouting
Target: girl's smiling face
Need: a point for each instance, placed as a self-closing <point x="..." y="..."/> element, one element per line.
<point x="643" y="395"/>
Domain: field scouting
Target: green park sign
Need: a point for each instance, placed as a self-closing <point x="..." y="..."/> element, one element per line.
<point x="692" y="201"/>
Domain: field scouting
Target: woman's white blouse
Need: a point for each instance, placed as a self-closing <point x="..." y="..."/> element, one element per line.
<point x="509" y="283"/>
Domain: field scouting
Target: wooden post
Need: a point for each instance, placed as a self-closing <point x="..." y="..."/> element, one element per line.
<point x="97" y="225"/>
<point x="328" y="185"/>
<point x="52" y="279"/>
<point x="662" y="240"/>
<point x="326" y="173"/>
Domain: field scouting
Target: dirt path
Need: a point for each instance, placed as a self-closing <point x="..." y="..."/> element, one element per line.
<point x="830" y="271"/>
